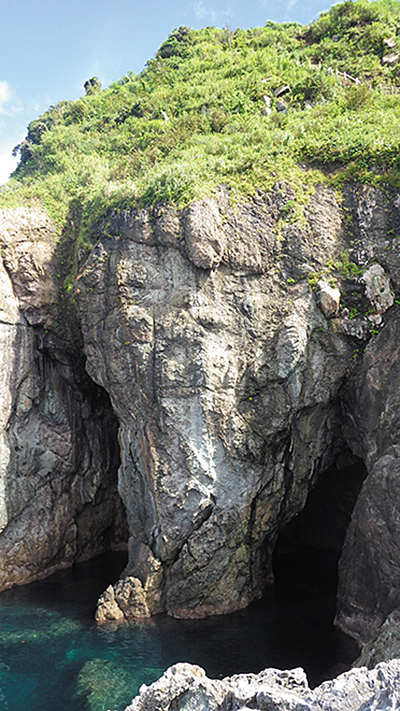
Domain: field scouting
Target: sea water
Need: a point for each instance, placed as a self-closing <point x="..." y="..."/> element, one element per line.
<point x="53" y="656"/>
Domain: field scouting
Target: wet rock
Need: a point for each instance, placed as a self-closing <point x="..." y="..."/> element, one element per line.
<point x="107" y="609"/>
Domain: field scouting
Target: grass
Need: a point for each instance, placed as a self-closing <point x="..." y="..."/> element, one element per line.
<point x="193" y="119"/>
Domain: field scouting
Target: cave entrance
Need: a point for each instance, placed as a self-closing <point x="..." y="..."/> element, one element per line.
<point x="306" y="555"/>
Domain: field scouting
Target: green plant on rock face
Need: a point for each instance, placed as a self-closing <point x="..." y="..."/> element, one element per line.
<point x="313" y="279"/>
<point x="346" y="267"/>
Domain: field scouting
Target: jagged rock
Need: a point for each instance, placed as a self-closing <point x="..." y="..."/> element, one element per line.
<point x="222" y="371"/>
<point x="233" y="409"/>
<point x="384" y="646"/>
<point x="329" y="299"/>
<point x="107" y="609"/>
<point x="205" y="239"/>
<point x="58" y="450"/>
<point x="370" y="565"/>
<point x="369" y="581"/>
<point x="184" y="687"/>
<point x="377" y="288"/>
<point x="222" y="364"/>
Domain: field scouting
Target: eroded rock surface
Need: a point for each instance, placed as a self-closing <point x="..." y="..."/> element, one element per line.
<point x="223" y="387"/>
<point x="184" y="687"/>
<point x="225" y="372"/>
<point x="58" y="453"/>
<point x="225" y="382"/>
<point x="384" y="646"/>
<point x="370" y="565"/>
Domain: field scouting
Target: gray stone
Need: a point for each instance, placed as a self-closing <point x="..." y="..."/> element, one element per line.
<point x="281" y="90"/>
<point x="377" y="288"/>
<point x="370" y="565"/>
<point x="58" y="453"/>
<point x="226" y="380"/>
<point x="281" y="106"/>
<point x="384" y="646"/>
<point x="205" y="239"/>
<point x="391" y="59"/>
<point x="329" y="299"/>
<point x="223" y="360"/>
<point x="185" y="687"/>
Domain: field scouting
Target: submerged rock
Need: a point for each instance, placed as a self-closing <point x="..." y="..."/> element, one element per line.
<point x="184" y="687"/>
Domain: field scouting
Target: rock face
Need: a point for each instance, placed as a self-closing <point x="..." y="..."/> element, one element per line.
<point x="225" y="388"/>
<point x="184" y="687"/>
<point x="58" y="453"/>
<point x="384" y="646"/>
<point x="226" y="374"/>
<point x="370" y="565"/>
<point x="226" y="381"/>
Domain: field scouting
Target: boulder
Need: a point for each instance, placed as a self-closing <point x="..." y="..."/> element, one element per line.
<point x="329" y="299"/>
<point x="377" y="288"/>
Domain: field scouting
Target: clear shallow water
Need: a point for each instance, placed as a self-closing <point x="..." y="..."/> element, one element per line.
<point x="54" y="658"/>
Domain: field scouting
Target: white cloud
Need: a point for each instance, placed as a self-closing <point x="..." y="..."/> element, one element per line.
<point x="7" y="163"/>
<point x="5" y="94"/>
<point x="209" y="14"/>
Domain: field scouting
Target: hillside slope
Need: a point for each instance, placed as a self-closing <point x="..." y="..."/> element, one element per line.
<point x="206" y="112"/>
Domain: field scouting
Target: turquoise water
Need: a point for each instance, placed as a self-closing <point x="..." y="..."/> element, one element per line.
<point x="54" y="658"/>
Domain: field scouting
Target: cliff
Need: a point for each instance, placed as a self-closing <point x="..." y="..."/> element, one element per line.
<point x="201" y="318"/>
<point x="58" y="452"/>
<point x="235" y="383"/>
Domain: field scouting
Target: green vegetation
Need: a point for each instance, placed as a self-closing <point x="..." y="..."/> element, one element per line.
<point x="196" y="117"/>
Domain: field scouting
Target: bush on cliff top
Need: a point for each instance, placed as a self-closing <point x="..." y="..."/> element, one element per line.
<point x="196" y="117"/>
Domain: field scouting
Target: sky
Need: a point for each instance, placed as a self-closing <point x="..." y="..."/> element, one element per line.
<point x="49" y="48"/>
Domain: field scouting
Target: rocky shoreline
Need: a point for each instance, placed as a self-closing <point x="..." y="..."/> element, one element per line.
<point x="185" y="687"/>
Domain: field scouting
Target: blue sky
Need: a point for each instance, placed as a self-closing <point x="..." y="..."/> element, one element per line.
<point x="49" y="48"/>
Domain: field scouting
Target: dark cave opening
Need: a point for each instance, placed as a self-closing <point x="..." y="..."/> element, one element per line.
<point x="307" y="551"/>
